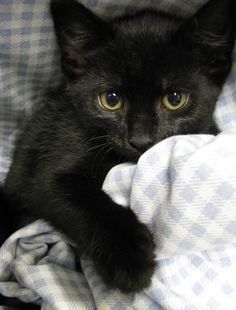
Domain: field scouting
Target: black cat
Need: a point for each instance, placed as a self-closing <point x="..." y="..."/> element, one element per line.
<point x="131" y="82"/>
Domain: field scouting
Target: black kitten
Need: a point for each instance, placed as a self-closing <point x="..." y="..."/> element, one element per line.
<point x="131" y="82"/>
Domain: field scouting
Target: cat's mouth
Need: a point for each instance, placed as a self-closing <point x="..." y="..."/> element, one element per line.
<point x="128" y="151"/>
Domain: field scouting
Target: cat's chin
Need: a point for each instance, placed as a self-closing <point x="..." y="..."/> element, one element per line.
<point x="129" y="153"/>
<point x="134" y="157"/>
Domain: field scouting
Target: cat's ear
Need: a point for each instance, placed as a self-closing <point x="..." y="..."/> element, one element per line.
<point x="211" y="33"/>
<point x="79" y="32"/>
<point x="216" y="19"/>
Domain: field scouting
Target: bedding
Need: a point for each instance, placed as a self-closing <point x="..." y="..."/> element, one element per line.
<point x="183" y="188"/>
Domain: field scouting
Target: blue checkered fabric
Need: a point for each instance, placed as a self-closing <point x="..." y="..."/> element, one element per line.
<point x="183" y="188"/>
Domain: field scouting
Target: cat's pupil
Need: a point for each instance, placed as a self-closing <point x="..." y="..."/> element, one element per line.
<point x="112" y="98"/>
<point x="174" y="98"/>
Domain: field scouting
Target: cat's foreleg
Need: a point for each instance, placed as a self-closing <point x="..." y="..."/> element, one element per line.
<point x="120" y="246"/>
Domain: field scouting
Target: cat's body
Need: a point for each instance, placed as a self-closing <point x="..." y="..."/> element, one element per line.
<point x="125" y="79"/>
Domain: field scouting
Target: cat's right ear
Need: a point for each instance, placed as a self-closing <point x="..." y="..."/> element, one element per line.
<point x="211" y="34"/>
<point x="79" y="32"/>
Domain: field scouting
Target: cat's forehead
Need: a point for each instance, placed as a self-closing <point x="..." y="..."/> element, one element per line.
<point x="147" y="23"/>
<point x="143" y="40"/>
<point x="142" y="57"/>
<point x="143" y="49"/>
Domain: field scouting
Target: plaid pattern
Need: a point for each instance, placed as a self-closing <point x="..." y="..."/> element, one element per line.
<point x="39" y="268"/>
<point x="184" y="190"/>
<point x="186" y="195"/>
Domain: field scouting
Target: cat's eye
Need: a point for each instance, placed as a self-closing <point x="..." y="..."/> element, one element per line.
<point x="175" y="100"/>
<point x="111" y="101"/>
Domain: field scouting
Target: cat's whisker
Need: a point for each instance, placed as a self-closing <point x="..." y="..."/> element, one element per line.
<point x="97" y="162"/>
<point x="97" y="138"/>
<point x="103" y="148"/>
<point x="105" y="154"/>
<point x="96" y="147"/>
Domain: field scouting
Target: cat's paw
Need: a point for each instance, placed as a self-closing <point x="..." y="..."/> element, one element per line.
<point x="126" y="257"/>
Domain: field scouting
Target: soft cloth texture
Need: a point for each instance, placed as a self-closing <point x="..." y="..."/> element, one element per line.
<point x="183" y="188"/>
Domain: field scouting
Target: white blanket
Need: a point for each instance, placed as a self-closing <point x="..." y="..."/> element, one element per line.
<point x="184" y="190"/>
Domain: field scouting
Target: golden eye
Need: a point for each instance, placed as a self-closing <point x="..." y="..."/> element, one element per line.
<point x="111" y="101"/>
<point x="175" y="100"/>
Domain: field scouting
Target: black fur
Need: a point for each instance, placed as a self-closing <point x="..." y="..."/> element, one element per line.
<point x="71" y="142"/>
<point x="6" y="219"/>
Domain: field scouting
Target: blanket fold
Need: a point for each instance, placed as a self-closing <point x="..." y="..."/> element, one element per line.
<point x="184" y="190"/>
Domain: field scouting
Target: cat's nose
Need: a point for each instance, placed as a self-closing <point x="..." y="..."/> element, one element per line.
<point x="140" y="143"/>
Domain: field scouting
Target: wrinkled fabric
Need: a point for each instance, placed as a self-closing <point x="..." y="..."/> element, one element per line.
<point x="183" y="189"/>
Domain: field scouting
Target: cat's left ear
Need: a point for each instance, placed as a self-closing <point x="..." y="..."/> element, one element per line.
<point x="79" y="32"/>
<point x="211" y="33"/>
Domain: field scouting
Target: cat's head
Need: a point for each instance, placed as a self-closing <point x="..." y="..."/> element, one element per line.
<point x="144" y="77"/>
